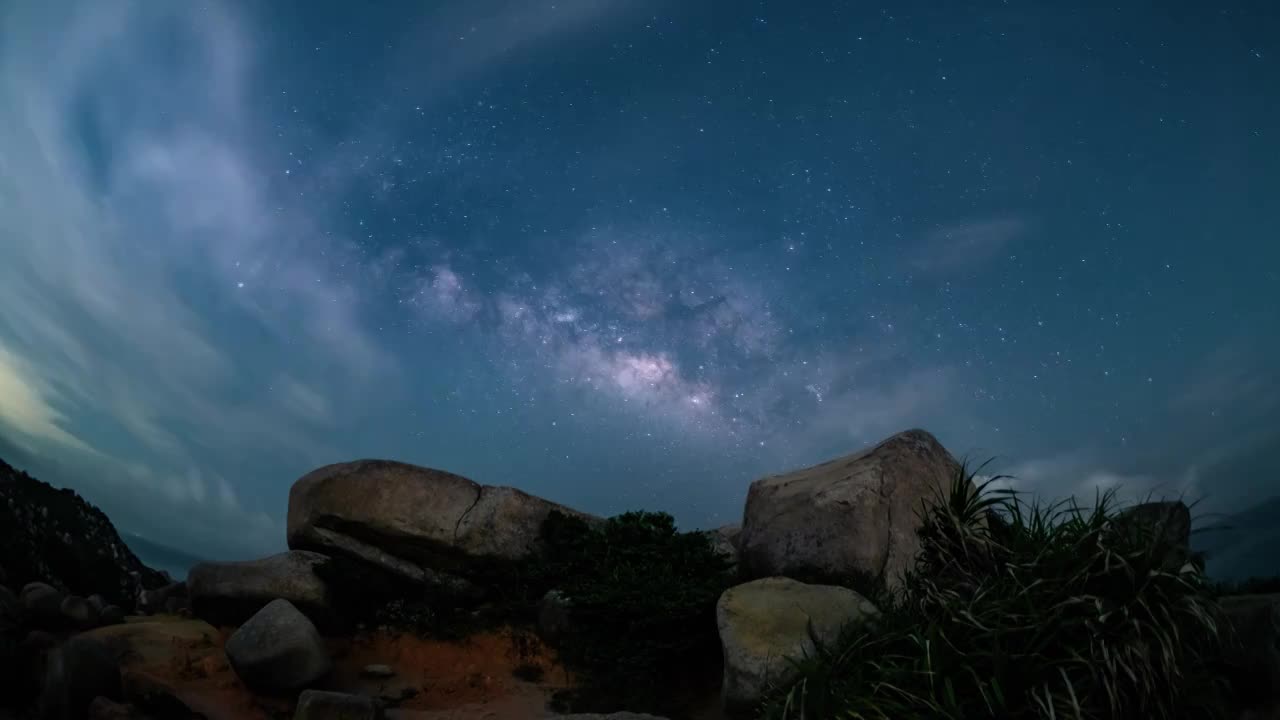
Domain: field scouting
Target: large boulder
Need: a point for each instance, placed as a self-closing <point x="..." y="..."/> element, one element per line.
<point x="150" y="641"/>
<point x="278" y="650"/>
<point x="1169" y="523"/>
<point x="228" y="593"/>
<point x="429" y="527"/>
<point x="165" y="660"/>
<point x="766" y="621"/>
<point x="75" y="673"/>
<point x="853" y="516"/>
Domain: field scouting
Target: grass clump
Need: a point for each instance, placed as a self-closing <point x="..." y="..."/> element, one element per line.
<point x="1017" y="611"/>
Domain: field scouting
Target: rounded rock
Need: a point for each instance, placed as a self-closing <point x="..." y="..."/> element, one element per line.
<point x="764" y="622"/>
<point x="42" y="602"/>
<point x="111" y="615"/>
<point x="278" y="650"/>
<point x="77" y="612"/>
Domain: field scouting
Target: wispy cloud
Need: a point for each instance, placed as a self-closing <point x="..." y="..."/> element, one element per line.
<point x="1236" y="379"/>
<point x="137" y="232"/>
<point x="159" y="277"/>
<point x="28" y="409"/>
<point x="966" y="247"/>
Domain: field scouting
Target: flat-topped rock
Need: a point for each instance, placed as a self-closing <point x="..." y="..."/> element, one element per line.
<point x="424" y="525"/>
<point x="855" y="515"/>
<point x="228" y="593"/>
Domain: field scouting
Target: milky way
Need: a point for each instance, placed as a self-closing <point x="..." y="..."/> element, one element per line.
<point x="633" y="254"/>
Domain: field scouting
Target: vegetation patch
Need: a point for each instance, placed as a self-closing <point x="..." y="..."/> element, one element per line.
<point x="1017" y="611"/>
<point x="642" y="635"/>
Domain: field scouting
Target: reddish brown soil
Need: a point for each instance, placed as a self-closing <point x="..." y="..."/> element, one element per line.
<point x="471" y="678"/>
<point x="479" y="669"/>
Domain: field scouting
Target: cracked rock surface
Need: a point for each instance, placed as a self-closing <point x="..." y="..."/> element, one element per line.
<point x="855" y="514"/>
<point x="424" y="525"/>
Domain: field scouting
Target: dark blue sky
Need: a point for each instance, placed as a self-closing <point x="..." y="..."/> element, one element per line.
<point x="635" y="253"/>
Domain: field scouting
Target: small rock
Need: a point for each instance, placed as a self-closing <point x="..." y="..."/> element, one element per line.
<point x="377" y="671"/>
<point x="325" y="705"/>
<point x="75" y="673"/>
<point x="42" y="603"/>
<point x="553" y="615"/>
<point x="111" y="615"/>
<point x="78" y="613"/>
<point x="97" y="602"/>
<point x="278" y="649"/>
<point x="107" y="709"/>
<point x="395" y="695"/>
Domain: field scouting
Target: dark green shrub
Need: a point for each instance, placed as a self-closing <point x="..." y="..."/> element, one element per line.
<point x="1023" y="612"/>
<point x="532" y="672"/>
<point x="1251" y="586"/>
<point x="643" y="608"/>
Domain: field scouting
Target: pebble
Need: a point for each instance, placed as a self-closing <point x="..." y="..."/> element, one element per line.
<point x="378" y="671"/>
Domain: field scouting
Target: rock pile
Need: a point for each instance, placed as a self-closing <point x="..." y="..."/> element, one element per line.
<point x="359" y="526"/>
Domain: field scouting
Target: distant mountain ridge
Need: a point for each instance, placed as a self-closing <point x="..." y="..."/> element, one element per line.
<point x="1243" y="545"/>
<point x="55" y="536"/>
<point x="162" y="557"/>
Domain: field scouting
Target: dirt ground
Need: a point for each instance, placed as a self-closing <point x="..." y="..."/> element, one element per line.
<point x="472" y="679"/>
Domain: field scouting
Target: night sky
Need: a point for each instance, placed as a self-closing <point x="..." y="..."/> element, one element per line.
<point x="633" y="254"/>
